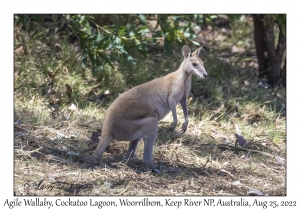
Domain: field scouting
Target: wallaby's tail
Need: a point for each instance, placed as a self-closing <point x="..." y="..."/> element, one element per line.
<point x="103" y="143"/>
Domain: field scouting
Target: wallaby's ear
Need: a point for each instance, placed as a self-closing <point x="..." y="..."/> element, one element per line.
<point x="186" y="52"/>
<point x="197" y="52"/>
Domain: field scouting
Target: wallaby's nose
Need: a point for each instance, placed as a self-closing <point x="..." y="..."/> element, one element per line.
<point x="205" y="75"/>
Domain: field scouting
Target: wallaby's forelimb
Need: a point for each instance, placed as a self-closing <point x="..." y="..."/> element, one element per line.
<point x="185" y="112"/>
<point x="174" y="123"/>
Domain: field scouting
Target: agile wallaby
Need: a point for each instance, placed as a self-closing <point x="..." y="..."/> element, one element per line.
<point x="135" y="113"/>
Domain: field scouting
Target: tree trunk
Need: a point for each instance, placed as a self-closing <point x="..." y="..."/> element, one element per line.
<point x="260" y="45"/>
<point x="283" y="74"/>
<point x="269" y="57"/>
<point x="280" y="51"/>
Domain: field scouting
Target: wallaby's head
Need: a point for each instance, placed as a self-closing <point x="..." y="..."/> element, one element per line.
<point x="192" y="64"/>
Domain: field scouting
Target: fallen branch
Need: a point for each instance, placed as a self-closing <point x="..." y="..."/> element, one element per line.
<point x="242" y="148"/>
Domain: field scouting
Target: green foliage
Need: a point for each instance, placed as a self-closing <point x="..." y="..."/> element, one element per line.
<point x="176" y="29"/>
<point x="234" y="17"/>
<point x="24" y="19"/>
<point x="281" y="21"/>
<point x="111" y="78"/>
<point x="104" y="44"/>
<point x="209" y="18"/>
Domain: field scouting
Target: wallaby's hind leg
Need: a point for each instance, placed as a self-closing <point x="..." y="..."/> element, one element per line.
<point x="132" y="148"/>
<point x="148" y="144"/>
<point x="103" y="143"/>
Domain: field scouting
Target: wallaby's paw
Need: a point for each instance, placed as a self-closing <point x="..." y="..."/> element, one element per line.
<point x="172" y="127"/>
<point x="184" y="127"/>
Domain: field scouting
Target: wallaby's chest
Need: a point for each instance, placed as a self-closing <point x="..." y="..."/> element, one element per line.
<point x="182" y="88"/>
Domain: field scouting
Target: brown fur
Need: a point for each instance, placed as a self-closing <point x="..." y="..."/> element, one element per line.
<point x="135" y="113"/>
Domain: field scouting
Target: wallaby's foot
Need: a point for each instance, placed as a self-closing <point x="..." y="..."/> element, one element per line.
<point x="156" y="171"/>
<point x="153" y="167"/>
<point x="172" y="127"/>
<point x="90" y="160"/>
<point x="95" y="154"/>
<point x="148" y="164"/>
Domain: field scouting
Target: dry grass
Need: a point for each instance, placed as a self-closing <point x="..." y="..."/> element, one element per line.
<point x="195" y="163"/>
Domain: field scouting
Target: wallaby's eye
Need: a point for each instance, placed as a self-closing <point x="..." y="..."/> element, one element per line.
<point x="194" y="64"/>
